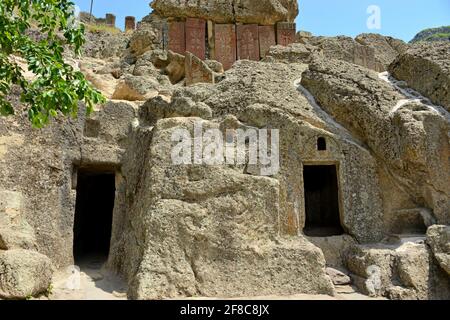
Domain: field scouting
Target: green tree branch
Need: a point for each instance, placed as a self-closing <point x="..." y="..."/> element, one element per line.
<point x="57" y="87"/>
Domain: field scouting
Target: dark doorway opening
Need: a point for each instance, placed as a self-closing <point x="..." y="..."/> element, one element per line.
<point x="321" y="144"/>
<point x="93" y="214"/>
<point x="321" y="201"/>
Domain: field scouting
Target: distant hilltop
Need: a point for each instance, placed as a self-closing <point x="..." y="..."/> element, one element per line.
<point x="433" y="34"/>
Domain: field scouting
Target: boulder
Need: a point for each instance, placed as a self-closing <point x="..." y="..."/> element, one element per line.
<point x="145" y="65"/>
<point x="302" y="35"/>
<point x="265" y="12"/>
<point x="414" y="267"/>
<point x="347" y="49"/>
<point x="103" y="79"/>
<point x="111" y="122"/>
<point x="334" y="249"/>
<point x="386" y="48"/>
<point x="105" y="134"/>
<point x="212" y="230"/>
<point x="370" y="268"/>
<point x="433" y="34"/>
<point x="425" y="67"/>
<point x="438" y="238"/>
<point x="24" y="273"/>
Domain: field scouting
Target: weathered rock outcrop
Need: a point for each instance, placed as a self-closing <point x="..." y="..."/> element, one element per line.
<point x="372" y="51"/>
<point x="433" y="34"/>
<point x="15" y="232"/>
<point x="197" y="229"/>
<point x="338" y="277"/>
<point x="136" y="88"/>
<point x="408" y="137"/>
<point x="237" y="229"/>
<point x="386" y="48"/>
<point x="426" y="68"/>
<point x="438" y="238"/>
<point x="294" y="53"/>
<point x="102" y="75"/>
<point x="38" y="190"/>
<point x="211" y="230"/>
<point x="246" y="11"/>
<point x="175" y="68"/>
<point x="197" y="71"/>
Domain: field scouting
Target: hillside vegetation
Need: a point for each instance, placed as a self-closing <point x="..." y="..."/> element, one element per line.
<point x="433" y="34"/>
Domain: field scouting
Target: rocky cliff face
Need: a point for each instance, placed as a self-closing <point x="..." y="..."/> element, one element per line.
<point x="425" y="67"/>
<point x="372" y="51"/>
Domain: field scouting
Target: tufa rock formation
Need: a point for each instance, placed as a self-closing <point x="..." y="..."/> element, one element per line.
<point x="426" y="68"/>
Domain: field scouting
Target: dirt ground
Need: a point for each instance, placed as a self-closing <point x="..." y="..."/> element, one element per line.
<point x="92" y="282"/>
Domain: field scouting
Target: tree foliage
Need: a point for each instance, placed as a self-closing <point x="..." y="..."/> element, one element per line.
<point x="56" y="87"/>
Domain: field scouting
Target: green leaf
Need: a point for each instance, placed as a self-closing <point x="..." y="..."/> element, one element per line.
<point x="6" y="108"/>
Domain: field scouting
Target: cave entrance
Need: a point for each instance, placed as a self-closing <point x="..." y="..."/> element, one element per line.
<point x="321" y="201"/>
<point x="93" y="214"/>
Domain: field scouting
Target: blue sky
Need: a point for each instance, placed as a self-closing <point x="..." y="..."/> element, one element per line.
<point x="399" y="18"/>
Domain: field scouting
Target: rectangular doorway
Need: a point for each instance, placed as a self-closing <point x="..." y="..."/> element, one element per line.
<point x="93" y="215"/>
<point x="321" y="201"/>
